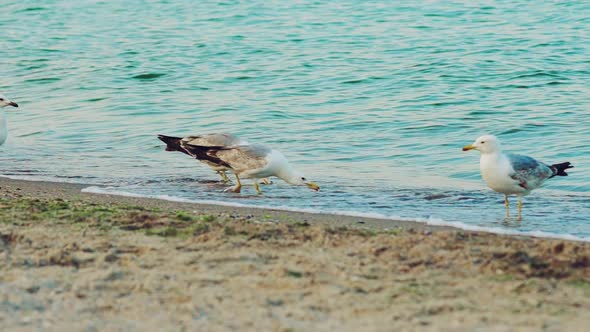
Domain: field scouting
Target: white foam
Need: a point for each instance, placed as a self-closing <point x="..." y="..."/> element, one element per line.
<point x="41" y="178"/>
<point x="428" y="221"/>
<point x="20" y="177"/>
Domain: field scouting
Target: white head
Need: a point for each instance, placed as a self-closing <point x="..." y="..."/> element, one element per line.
<point x="283" y="170"/>
<point x="298" y="179"/>
<point x="5" y="102"/>
<point x="485" y="144"/>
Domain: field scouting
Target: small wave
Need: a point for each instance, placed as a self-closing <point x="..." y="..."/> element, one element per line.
<point x="49" y="178"/>
<point x="364" y="80"/>
<point x="31" y="9"/>
<point x="43" y="80"/>
<point x="19" y="177"/>
<point x="92" y="100"/>
<point x="537" y="74"/>
<point x="34" y="133"/>
<point x="428" y="221"/>
<point x="556" y="83"/>
<point x="149" y="76"/>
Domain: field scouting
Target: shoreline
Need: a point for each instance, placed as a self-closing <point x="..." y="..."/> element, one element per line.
<point x="48" y="189"/>
<point x="65" y="190"/>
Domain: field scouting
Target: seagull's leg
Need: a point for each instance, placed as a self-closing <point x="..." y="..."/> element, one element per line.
<point x="507" y="206"/>
<point x="237" y="188"/>
<point x="257" y="187"/>
<point x="519" y="207"/>
<point x="238" y="185"/>
<point x="266" y="181"/>
<point x="224" y="177"/>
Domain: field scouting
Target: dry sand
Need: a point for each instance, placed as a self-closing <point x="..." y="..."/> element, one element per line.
<point x="82" y="262"/>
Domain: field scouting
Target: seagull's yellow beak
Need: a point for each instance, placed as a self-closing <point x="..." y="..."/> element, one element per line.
<point x="313" y="186"/>
<point x="468" y="147"/>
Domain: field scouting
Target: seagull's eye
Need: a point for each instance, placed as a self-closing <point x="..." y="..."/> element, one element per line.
<point x="303" y="178"/>
<point x="483" y="142"/>
<point x="1" y="99"/>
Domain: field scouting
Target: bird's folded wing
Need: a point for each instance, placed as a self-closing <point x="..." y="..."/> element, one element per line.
<point x="527" y="169"/>
<point x="212" y="140"/>
<point x="243" y="157"/>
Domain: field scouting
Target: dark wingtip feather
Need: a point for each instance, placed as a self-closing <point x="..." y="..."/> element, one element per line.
<point x="559" y="169"/>
<point x="172" y="143"/>
<point x="166" y="138"/>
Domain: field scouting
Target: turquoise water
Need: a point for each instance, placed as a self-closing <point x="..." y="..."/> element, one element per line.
<point x="371" y="100"/>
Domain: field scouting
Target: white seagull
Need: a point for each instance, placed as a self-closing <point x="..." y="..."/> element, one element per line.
<point x="251" y="161"/>
<point x="512" y="174"/>
<point x="3" y="131"/>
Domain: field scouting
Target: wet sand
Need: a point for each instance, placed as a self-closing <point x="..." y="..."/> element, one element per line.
<point x="84" y="262"/>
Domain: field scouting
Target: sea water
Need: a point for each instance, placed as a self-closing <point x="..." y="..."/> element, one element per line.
<point x="371" y="100"/>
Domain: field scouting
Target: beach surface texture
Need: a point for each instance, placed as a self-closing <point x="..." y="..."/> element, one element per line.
<point x="83" y="262"/>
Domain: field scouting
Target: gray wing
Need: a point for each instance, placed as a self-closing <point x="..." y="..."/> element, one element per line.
<point x="529" y="172"/>
<point x="222" y="139"/>
<point x="244" y="157"/>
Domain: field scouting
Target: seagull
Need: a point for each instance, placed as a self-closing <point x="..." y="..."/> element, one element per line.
<point x="512" y="174"/>
<point x="218" y="139"/>
<point x="251" y="161"/>
<point x="3" y="131"/>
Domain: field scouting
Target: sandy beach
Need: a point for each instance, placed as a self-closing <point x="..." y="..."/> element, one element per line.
<point x="83" y="262"/>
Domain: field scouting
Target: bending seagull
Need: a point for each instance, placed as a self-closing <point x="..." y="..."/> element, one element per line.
<point x="179" y="143"/>
<point x="511" y="173"/>
<point x="251" y="161"/>
<point x="3" y="131"/>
